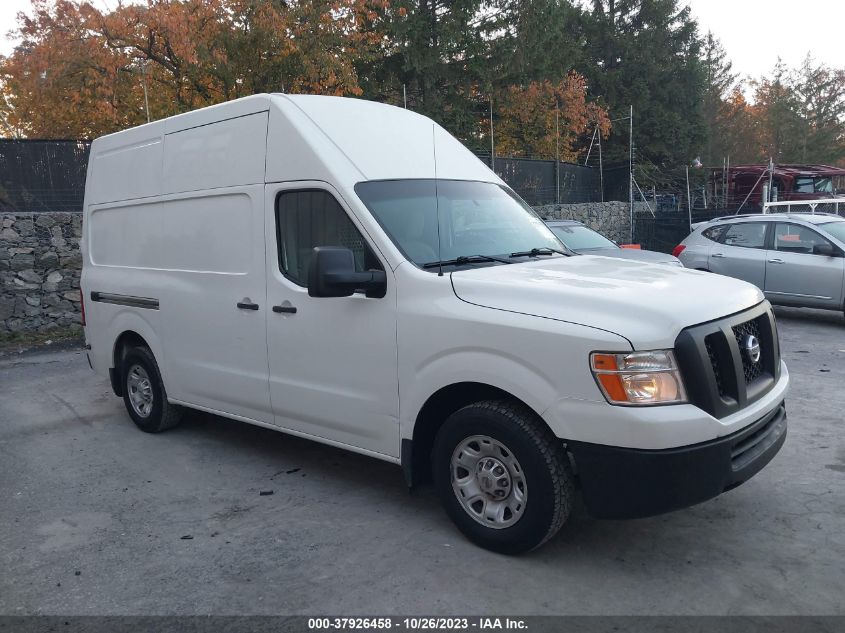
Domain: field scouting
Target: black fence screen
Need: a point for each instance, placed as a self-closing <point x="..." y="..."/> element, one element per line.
<point x="542" y="182"/>
<point x="38" y="176"/>
<point x="665" y="231"/>
<point x="49" y="175"/>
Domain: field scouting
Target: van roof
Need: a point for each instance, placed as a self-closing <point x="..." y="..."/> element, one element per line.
<point x="334" y="139"/>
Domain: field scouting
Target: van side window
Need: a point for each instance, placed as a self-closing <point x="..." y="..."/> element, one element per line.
<point x="746" y="235"/>
<point x="309" y="218"/>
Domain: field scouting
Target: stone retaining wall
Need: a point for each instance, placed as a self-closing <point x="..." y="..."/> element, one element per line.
<point x="611" y="219"/>
<point x="39" y="271"/>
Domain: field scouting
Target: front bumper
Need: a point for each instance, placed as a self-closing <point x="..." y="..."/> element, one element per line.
<point x="626" y="483"/>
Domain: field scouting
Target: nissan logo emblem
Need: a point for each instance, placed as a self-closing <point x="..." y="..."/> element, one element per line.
<point x="752" y="347"/>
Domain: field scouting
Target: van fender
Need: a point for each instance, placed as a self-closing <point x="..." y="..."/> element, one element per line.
<point x="510" y="374"/>
<point x="130" y="320"/>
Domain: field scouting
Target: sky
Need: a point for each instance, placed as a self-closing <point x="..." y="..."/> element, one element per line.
<point x="754" y="32"/>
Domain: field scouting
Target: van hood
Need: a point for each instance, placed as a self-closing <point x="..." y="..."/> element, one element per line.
<point x="648" y="304"/>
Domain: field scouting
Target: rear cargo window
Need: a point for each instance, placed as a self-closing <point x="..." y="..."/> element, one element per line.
<point x="309" y="218"/>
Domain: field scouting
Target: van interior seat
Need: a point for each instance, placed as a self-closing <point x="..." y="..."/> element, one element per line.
<point x="411" y="234"/>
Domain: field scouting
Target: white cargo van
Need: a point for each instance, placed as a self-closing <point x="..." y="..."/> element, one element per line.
<point x="348" y="272"/>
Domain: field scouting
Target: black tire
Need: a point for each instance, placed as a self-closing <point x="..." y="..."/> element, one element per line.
<point x="540" y="455"/>
<point x="161" y="415"/>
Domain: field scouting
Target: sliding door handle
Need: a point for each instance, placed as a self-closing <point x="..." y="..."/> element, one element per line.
<point x="284" y="309"/>
<point x="246" y="304"/>
<point x="776" y="261"/>
<point x="717" y="255"/>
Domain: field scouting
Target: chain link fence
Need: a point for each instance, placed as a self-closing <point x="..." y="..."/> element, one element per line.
<point x="38" y="176"/>
<point x="540" y="182"/>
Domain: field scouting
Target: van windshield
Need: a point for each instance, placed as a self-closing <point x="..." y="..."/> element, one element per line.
<point x="476" y="219"/>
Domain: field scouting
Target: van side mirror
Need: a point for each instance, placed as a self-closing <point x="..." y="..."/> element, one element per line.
<point x="331" y="273"/>
<point x="824" y="248"/>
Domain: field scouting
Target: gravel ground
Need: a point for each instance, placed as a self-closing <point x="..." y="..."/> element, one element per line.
<point x="99" y="518"/>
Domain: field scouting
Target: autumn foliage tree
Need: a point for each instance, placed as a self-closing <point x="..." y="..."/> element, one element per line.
<point x="81" y="72"/>
<point x="792" y="116"/>
<point x="546" y="119"/>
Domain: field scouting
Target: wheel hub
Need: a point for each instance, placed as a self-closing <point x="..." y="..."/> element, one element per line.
<point x="488" y="481"/>
<point x="140" y="390"/>
<point x="493" y="478"/>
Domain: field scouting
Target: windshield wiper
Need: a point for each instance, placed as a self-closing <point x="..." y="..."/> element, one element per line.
<point x="536" y="252"/>
<point x="467" y="259"/>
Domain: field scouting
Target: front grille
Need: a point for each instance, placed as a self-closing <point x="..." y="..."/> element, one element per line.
<point x="751" y="369"/>
<point x="714" y="363"/>
<point x="719" y="375"/>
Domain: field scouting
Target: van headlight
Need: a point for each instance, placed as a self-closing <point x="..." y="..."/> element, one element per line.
<point x="639" y="378"/>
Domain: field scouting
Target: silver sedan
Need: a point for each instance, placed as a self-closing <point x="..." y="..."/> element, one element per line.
<point x="585" y="241"/>
<point x="796" y="259"/>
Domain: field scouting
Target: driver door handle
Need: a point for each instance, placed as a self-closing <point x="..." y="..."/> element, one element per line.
<point x="717" y="255"/>
<point x="776" y="261"/>
<point x="247" y="305"/>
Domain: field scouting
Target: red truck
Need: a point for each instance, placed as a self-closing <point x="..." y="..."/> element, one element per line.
<point x="788" y="182"/>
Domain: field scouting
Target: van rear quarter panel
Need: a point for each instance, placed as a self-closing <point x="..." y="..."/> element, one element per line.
<point x="207" y="232"/>
<point x="193" y="238"/>
<point x="127" y="168"/>
<point x="198" y="254"/>
<point x="223" y="154"/>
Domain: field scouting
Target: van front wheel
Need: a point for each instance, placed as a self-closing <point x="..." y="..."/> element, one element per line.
<point x="144" y="394"/>
<point x="503" y="477"/>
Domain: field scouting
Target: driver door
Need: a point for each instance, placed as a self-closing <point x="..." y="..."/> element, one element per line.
<point x="332" y="361"/>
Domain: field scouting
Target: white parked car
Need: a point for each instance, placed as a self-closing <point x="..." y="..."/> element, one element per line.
<point x="348" y="272"/>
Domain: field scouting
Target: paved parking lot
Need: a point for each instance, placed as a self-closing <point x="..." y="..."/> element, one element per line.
<point x="99" y="518"/>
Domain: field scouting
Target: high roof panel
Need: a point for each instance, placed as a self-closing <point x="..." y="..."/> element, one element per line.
<point x="386" y="142"/>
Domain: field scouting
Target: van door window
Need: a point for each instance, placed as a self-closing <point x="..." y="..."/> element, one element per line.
<point x="309" y="218"/>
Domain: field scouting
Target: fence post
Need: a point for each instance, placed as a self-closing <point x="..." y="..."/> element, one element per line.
<point x="631" y="169"/>
<point x="689" y="202"/>
<point x="557" y="154"/>
<point x="601" y="170"/>
<point x="557" y="181"/>
<point x="492" y="143"/>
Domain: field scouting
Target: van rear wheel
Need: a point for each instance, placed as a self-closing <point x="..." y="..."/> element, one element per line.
<point x="144" y="394"/>
<point x="502" y="476"/>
